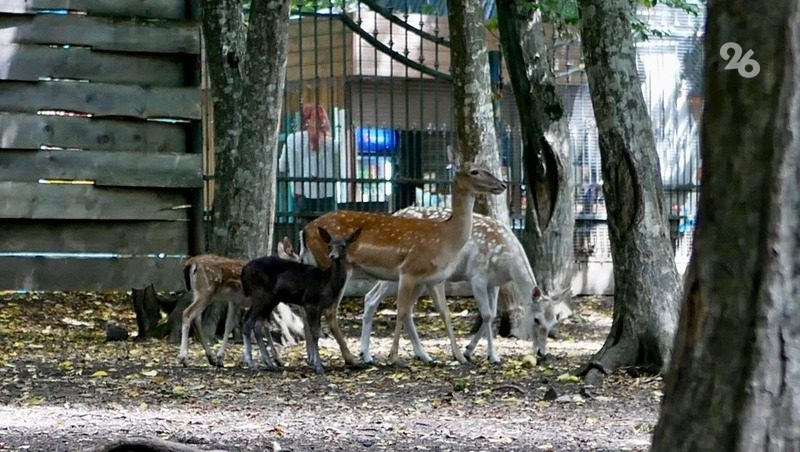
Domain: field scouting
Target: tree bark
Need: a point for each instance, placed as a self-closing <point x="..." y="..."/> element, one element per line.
<point x="247" y="67"/>
<point x="732" y="384"/>
<point x="646" y="286"/>
<point x="224" y="45"/>
<point x="550" y="212"/>
<point x="262" y="102"/>
<point x="472" y="90"/>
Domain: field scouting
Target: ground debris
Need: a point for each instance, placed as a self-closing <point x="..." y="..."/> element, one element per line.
<point x="64" y="387"/>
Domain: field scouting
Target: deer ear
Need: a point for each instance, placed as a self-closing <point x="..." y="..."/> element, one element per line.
<point x="454" y="157"/>
<point x="537" y="294"/>
<point x="352" y="238"/>
<point x="324" y="235"/>
<point x="287" y="244"/>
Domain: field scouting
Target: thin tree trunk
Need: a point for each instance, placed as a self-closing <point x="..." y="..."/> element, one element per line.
<point x="550" y="213"/>
<point x="646" y="286"/>
<point x="733" y="381"/>
<point x="472" y="90"/>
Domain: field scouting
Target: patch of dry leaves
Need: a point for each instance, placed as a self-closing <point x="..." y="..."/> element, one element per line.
<point x="63" y="387"/>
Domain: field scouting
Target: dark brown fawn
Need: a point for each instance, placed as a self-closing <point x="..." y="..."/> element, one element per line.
<point x="267" y="281"/>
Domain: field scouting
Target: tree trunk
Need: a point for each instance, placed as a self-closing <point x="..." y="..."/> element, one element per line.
<point x="732" y="384"/>
<point x="550" y="212"/>
<point x="224" y="45"/>
<point x="262" y="101"/>
<point x="472" y="90"/>
<point x="248" y="75"/>
<point x="646" y="286"/>
<point x="247" y="67"/>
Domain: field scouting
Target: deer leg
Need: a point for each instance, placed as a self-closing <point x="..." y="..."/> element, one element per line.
<point x="440" y="301"/>
<point x="276" y="358"/>
<point x="230" y="320"/>
<point x="331" y="314"/>
<point x="189" y="316"/>
<point x="264" y="313"/>
<point x="484" y="300"/>
<point x="372" y="300"/>
<point x="311" y="330"/>
<point x="247" y="330"/>
<point x="411" y="330"/>
<point x="407" y="294"/>
<point x="493" y="295"/>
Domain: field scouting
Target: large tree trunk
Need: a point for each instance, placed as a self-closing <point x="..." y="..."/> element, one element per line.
<point x="646" y="286"/>
<point x="262" y="101"/>
<point x="472" y="91"/>
<point x="733" y="381"/>
<point x="550" y="213"/>
<point x="224" y="44"/>
<point x="248" y="74"/>
<point x="247" y="67"/>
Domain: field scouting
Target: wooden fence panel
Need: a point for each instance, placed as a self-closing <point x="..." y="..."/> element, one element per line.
<point x="154" y="9"/>
<point x="99" y="99"/>
<point x="55" y="273"/>
<point x="26" y="200"/>
<point x="100" y="33"/>
<point x="31" y="63"/>
<point x="100" y="138"/>
<point x="170" y="238"/>
<point x="117" y="169"/>
<point x="29" y="131"/>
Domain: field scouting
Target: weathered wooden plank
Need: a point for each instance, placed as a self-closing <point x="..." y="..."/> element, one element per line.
<point x="101" y="33"/>
<point x="40" y="273"/>
<point x="108" y="169"/>
<point x="100" y="99"/>
<point x="36" y="62"/>
<point x="120" y="237"/>
<point x="154" y="9"/>
<point x="24" y="131"/>
<point x="85" y="202"/>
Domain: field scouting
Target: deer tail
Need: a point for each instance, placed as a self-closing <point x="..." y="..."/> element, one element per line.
<point x="305" y="256"/>
<point x="187" y="276"/>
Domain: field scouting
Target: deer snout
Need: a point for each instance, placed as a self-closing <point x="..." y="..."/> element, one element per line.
<point x="500" y="188"/>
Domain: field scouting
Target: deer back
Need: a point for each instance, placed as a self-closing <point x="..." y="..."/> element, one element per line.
<point x="387" y="245"/>
<point x="214" y="272"/>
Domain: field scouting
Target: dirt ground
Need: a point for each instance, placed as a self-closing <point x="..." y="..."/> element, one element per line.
<point x="64" y="388"/>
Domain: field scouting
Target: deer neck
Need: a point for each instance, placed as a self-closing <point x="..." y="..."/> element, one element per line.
<point x="460" y="223"/>
<point x="338" y="274"/>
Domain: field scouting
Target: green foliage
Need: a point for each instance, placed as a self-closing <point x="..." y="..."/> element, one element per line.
<point x="556" y="12"/>
<point x="690" y="6"/>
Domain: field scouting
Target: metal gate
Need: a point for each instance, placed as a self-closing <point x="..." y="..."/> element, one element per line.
<point x="380" y="72"/>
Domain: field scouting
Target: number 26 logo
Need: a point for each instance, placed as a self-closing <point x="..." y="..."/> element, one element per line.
<point x="745" y="65"/>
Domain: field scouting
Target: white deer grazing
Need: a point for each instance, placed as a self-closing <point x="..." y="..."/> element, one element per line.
<point x="213" y="278"/>
<point x="492" y="259"/>
<point x="415" y="252"/>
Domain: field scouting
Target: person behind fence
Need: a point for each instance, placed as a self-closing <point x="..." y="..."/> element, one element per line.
<point x="309" y="160"/>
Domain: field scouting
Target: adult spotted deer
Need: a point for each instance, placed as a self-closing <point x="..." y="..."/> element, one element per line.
<point x="413" y="251"/>
<point x="492" y="260"/>
<point x="213" y="278"/>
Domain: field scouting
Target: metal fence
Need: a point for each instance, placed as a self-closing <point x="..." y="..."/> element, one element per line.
<point x="380" y="71"/>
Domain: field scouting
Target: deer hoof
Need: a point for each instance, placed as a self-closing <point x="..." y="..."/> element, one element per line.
<point x="366" y="358"/>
